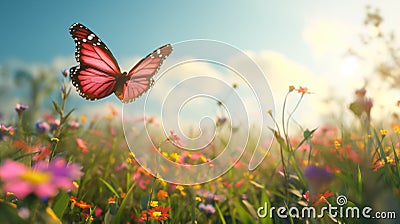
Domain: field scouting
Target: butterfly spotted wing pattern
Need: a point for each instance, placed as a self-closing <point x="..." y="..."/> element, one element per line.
<point x="98" y="74"/>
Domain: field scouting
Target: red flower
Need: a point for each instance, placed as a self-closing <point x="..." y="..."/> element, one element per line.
<point x="159" y="213"/>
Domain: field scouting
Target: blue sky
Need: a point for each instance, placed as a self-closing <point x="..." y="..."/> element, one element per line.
<point x="294" y="42"/>
<point x="37" y="31"/>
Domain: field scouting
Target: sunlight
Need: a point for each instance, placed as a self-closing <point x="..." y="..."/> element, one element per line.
<point x="349" y="65"/>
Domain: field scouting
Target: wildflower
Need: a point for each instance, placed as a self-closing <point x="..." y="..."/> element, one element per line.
<point x="322" y="197"/>
<point x="141" y="180"/>
<point x="42" y="127"/>
<point x="82" y="145"/>
<point x="5" y="131"/>
<point x="383" y="132"/>
<point x="318" y="177"/>
<point x="303" y="90"/>
<point x="21" y="108"/>
<point x="208" y="208"/>
<point x="210" y="197"/>
<point x="83" y="119"/>
<point x="396" y="128"/>
<point x="54" y="124"/>
<point x="43" y="180"/>
<point x="153" y="204"/>
<point x="81" y="204"/>
<point x="291" y="88"/>
<point x="175" y="156"/>
<point x="160" y="214"/>
<point x="24" y="213"/>
<point x="176" y="140"/>
<point x="98" y="211"/>
<point x="111" y="200"/>
<point x="181" y="189"/>
<point x="362" y="104"/>
<point x="73" y="125"/>
<point x="54" y="139"/>
<point x="239" y="183"/>
<point x="161" y="194"/>
<point x="42" y="152"/>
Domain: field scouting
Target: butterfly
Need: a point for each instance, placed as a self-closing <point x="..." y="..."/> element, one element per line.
<point x="98" y="74"/>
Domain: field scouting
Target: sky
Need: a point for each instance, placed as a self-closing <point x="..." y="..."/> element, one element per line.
<point x="293" y="42"/>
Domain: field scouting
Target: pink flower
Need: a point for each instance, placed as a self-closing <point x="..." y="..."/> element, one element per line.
<point x="6" y="131"/>
<point x="176" y="140"/>
<point x="43" y="179"/>
<point x="82" y="145"/>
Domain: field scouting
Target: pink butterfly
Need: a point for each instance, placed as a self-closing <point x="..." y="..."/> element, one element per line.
<point x="98" y="74"/>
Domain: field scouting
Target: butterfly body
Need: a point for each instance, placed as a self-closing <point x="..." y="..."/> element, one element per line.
<point x="98" y="74"/>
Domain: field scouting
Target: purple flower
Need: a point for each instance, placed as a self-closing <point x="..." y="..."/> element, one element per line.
<point x="208" y="208"/>
<point x="54" y="124"/>
<point x="318" y="177"/>
<point x="42" y="127"/>
<point x="20" y="108"/>
<point x="73" y="125"/>
<point x="210" y="197"/>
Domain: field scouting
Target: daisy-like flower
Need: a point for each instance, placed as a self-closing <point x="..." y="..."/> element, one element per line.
<point x="159" y="213"/>
<point x="43" y="179"/>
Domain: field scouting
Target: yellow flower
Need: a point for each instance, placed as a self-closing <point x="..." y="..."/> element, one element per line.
<point x="180" y="187"/>
<point x="156" y="214"/>
<point x="175" y="156"/>
<point x="36" y="177"/>
<point x="396" y="128"/>
<point x="337" y="143"/>
<point x="198" y="198"/>
<point x="55" y="139"/>
<point x="383" y="132"/>
<point x="154" y="204"/>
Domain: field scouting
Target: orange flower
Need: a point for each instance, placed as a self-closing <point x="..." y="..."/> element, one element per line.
<point x="81" y="204"/>
<point x="161" y="194"/>
<point x="303" y="90"/>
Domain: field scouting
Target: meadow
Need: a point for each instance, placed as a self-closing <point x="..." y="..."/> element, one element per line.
<point x="63" y="167"/>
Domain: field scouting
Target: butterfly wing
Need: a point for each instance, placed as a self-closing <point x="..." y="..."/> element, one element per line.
<point x="140" y="76"/>
<point x="96" y="75"/>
